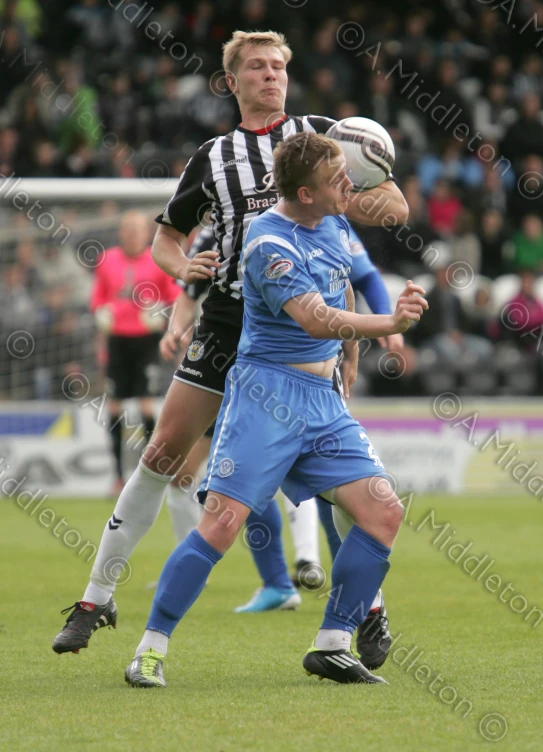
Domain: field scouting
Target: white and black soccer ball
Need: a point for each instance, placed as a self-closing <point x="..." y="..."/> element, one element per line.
<point x="368" y="149"/>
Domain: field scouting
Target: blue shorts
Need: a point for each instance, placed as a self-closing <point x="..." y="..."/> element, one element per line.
<point x="279" y="427"/>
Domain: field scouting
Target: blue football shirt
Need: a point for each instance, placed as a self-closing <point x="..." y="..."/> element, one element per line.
<point x="281" y="260"/>
<point x="361" y="264"/>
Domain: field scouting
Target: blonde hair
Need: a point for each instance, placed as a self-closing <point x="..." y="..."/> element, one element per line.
<point x="231" y="50"/>
<point x="297" y="157"/>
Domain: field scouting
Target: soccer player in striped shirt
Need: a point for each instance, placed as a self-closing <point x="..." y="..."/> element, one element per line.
<point x="231" y="175"/>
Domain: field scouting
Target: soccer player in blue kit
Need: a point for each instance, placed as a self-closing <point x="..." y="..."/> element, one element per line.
<point x="281" y="424"/>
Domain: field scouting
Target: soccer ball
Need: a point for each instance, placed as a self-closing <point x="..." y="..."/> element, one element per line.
<point x="368" y="149"/>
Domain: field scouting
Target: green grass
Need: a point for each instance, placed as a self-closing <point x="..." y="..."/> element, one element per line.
<point x="235" y="682"/>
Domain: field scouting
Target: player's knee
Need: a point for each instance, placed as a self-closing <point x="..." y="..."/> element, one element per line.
<point x="220" y="523"/>
<point x="161" y="457"/>
<point x="392" y="515"/>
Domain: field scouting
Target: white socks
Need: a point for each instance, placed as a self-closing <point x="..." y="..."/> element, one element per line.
<point x="377" y="601"/>
<point x="185" y="511"/>
<point x="304" y="526"/>
<point x="96" y="594"/>
<point x="333" y="639"/>
<point x="135" y="512"/>
<point x="155" y="640"/>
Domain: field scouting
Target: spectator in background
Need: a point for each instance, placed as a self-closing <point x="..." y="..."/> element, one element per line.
<point x="482" y="320"/>
<point x="323" y="97"/>
<point x="450" y="165"/>
<point x="381" y="104"/>
<point x="443" y="209"/>
<point x="93" y="24"/>
<point x="492" y="113"/>
<point x="414" y="37"/>
<point x="529" y="79"/>
<point x="25" y="255"/>
<point x="169" y="120"/>
<point x="464" y="245"/>
<point x="528" y="244"/>
<point x="45" y="161"/>
<point x="525" y="136"/>
<point x="527" y="195"/>
<point x="64" y="341"/>
<point x="495" y="243"/>
<point x="30" y="126"/>
<point x="211" y="113"/>
<point x="490" y="195"/>
<point x="323" y="55"/>
<point x="119" y="108"/>
<point x="405" y="261"/>
<point x="78" y="104"/>
<point x="500" y="69"/>
<point x="464" y="52"/>
<point x="60" y="266"/>
<point x="18" y="308"/>
<point x="525" y="317"/>
<point x="16" y="61"/>
<point x="8" y="149"/>
<point x="445" y="83"/>
<point x="202" y="23"/>
<point x="447" y="330"/>
<point x="82" y="161"/>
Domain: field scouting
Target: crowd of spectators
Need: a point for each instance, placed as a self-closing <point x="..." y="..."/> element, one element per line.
<point x="91" y="89"/>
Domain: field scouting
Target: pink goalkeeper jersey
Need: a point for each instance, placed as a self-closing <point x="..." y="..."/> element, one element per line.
<point x="132" y="287"/>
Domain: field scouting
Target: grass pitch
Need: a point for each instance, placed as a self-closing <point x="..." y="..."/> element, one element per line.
<point x="235" y="682"/>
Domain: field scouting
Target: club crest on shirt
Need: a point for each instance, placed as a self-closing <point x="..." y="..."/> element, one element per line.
<point x="278" y="268"/>
<point x="226" y="467"/>
<point x="195" y="351"/>
<point x="345" y="240"/>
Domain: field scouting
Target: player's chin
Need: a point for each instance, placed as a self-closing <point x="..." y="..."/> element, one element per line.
<point x="274" y="97"/>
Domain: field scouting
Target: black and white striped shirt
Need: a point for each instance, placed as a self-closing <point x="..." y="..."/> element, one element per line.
<point x="229" y="181"/>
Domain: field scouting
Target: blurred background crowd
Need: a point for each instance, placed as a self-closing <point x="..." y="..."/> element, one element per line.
<point x="91" y="89"/>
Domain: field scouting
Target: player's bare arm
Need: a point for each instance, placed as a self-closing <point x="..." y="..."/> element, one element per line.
<point x="349" y="365"/>
<point x="381" y="206"/>
<point x="180" y="327"/>
<point x="169" y="256"/>
<point x="321" y="321"/>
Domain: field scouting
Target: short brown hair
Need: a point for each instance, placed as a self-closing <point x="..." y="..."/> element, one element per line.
<point x="231" y="50"/>
<point x="296" y="159"/>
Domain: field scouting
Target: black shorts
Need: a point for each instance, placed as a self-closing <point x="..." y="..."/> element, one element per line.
<point x="133" y="368"/>
<point x="210" y="355"/>
<point x="211" y="430"/>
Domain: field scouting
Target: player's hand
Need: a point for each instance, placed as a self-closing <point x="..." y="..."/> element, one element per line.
<point x="169" y="345"/>
<point x="409" y="308"/>
<point x="202" y="266"/>
<point x="394" y="342"/>
<point x="103" y="316"/>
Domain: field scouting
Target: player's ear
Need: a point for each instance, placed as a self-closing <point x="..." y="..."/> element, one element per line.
<point x="304" y="195"/>
<point x="231" y="82"/>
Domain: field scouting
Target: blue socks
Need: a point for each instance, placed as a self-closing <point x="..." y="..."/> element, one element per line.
<point x="358" y="571"/>
<point x="263" y="536"/>
<point x="327" y="521"/>
<point x="181" y="582"/>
